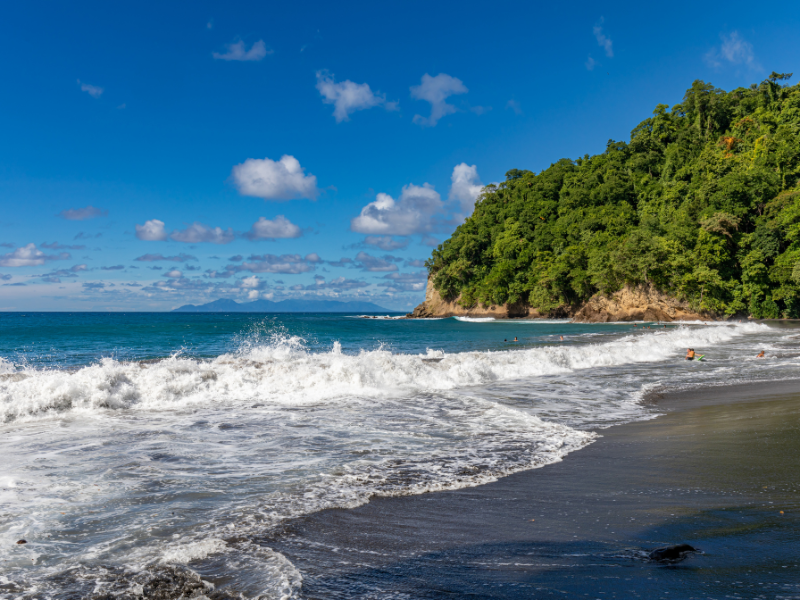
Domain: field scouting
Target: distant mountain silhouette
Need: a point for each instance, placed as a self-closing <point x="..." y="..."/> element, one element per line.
<point x="284" y="306"/>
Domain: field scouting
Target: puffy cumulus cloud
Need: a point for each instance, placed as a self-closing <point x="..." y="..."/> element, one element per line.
<point x="465" y="187"/>
<point x="274" y="180"/>
<point x="159" y="257"/>
<point x="412" y="213"/>
<point x="29" y="256"/>
<point x="386" y="242"/>
<point x="348" y="97"/>
<point x="436" y="90"/>
<point x="81" y="214"/>
<point x="602" y="39"/>
<point x="151" y="231"/>
<point x="279" y="228"/>
<point x="93" y="90"/>
<point x="197" y="233"/>
<point x="405" y="282"/>
<point x="237" y="51"/>
<point x="173" y="274"/>
<point x="734" y="50"/>
<point x="367" y="262"/>
<point x="270" y="263"/>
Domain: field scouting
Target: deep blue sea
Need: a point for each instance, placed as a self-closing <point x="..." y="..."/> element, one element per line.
<point x="134" y="443"/>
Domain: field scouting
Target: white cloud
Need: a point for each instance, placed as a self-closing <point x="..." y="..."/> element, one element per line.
<point x="236" y="51"/>
<point x="197" y="233"/>
<point x="29" y="256"/>
<point x="602" y="40"/>
<point x="279" y="228"/>
<point x="151" y="231"/>
<point x="465" y="187"/>
<point x="93" y="90"/>
<point x="348" y="97"/>
<point x="81" y="214"/>
<point x="590" y="64"/>
<point x="734" y="50"/>
<point x="174" y="274"/>
<point x="412" y="213"/>
<point x="274" y="180"/>
<point x="436" y="90"/>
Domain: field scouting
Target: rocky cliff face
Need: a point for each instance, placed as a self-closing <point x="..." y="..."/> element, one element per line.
<point x="640" y="303"/>
<point x="436" y="306"/>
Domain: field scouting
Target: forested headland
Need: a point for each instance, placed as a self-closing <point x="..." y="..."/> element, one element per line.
<point x="702" y="204"/>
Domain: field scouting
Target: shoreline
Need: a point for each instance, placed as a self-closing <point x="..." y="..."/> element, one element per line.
<point x="714" y="470"/>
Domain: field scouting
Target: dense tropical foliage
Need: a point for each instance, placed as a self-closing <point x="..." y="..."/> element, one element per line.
<point x="703" y="203"/>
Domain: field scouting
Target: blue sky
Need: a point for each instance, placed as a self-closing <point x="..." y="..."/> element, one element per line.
<point x="158" y="154"/>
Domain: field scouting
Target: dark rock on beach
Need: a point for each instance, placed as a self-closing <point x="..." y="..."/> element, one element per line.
<point x="672" y="554"/>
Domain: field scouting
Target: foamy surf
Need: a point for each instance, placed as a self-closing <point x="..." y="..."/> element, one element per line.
<point x="284" y="372"/>
<point x="176" y="466"/>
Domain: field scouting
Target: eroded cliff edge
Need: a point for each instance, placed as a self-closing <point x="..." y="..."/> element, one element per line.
<point x="639" y="303"/>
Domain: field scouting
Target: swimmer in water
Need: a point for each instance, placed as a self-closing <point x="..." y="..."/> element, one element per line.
<point x="562" y="337"/>
<point x="761" y="355"/>
<point x="515" y="339"/>
<point x="690" y="354"/>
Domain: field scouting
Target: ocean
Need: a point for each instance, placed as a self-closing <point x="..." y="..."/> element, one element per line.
<point x="148" y="447"/>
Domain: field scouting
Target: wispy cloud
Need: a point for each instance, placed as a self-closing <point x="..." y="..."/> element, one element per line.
<point x="436" y="90"/>
<point x="81" y="214"/>
<point x="348" y="97"/>
<point x="514" y="105"/>
<point x="93" y="90"/>
<point x="602" y="39"/>
<point x="734" y="50"/>
<point x="237" y="51"/>
<point x="159" y="257"/>
<point x="590" y="63"/>
<point x="198" y="233"/>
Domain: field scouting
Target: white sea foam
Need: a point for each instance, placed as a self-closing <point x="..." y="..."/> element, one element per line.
<point x="475" y="319"/>
<point x="183" y="461"/>
<point x="284" y="372"/>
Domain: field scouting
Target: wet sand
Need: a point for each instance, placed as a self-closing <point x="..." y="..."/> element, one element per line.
<point x="715" y="471"/>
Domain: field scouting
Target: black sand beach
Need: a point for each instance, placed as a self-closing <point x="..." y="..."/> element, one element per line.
<point x="720" y="470"/>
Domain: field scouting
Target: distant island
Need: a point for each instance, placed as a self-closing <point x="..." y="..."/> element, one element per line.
<point x="697" y="216"/>
<point x="284" y="306"/>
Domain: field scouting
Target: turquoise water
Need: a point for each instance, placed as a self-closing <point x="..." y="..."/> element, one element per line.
<point x="76" y="339"/>
<point x="141" y="444"/>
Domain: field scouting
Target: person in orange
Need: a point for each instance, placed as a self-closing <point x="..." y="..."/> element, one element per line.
<point x="760" y="354"/>
<point x="690" y="354"/>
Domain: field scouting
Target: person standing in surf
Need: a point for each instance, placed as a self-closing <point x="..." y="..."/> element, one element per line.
<point x="690" y="354"/>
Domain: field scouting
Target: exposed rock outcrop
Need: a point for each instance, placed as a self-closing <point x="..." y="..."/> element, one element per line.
<point x="436" y="306"/>
<point x="640" y="303"/>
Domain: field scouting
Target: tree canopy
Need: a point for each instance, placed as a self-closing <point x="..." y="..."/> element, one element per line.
<point x="703" y="203"/>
